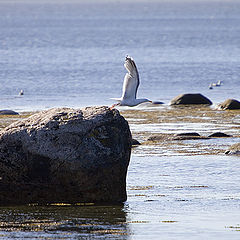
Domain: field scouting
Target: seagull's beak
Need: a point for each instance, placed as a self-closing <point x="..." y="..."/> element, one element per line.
<point x="114" y="105"/>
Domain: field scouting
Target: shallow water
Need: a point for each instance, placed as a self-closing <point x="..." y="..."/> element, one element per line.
<point x="63" y="222"/>
<point x="186" y="189"/>
<point x="184" y="197"/>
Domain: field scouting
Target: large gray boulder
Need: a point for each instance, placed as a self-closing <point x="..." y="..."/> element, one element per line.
<point x="65" y="155"/>
<point x="230" y="104"/>
<point x="234" y="149"/>
<point x="190" y="98"/>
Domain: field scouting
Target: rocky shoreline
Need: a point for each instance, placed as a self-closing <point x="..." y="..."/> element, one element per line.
<point x="155" y="130"/>
<point x="207" y="121"/>
<point x="190" y="130"/>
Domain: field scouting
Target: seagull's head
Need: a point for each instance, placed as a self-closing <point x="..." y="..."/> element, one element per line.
<point x="127" y="58"/>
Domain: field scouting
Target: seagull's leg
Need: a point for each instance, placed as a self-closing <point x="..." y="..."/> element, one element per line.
<point x="114" y="105"/>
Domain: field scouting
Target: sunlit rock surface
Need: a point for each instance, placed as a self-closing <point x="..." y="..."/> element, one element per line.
<point x="230" y="104"/>
<point x="65" y="155"/>
<point x="234" y="149"/>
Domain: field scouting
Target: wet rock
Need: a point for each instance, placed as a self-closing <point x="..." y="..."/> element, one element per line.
<point x="234" y="149"/>
<point x="190" y="98"/>
<point x="135" y="142"/>
<point x="188" y="134"/>
<point x="190" y="137"/>
<point x="229" y="104"/>
<point x="157" y="102"/>
<point x="65" y="155"/>
<point x="219" y="134"/>
<point x="176" y="137"/>
<point x="8" y="112"/>
<point x="157" y="137"/>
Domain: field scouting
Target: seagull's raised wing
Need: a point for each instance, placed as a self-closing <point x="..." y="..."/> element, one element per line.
<point x="131" y="80"/>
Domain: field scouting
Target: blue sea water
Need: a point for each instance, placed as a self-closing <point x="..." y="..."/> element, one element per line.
<point x="71" y="53"/>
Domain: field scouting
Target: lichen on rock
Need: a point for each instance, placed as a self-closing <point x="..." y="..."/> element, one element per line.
<point x="65" y="155"/>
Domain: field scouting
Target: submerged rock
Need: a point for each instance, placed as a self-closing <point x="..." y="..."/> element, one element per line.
<point x="230" y="104"/>
<point x="188" y="136"/>
<point x="175" y="137"/>
<point x="190" y="98"/>
<point x="8" y="112"/>
<point x="159" y="137"/>
<point x="65" y="155"/>
<point x="234" y="149"/>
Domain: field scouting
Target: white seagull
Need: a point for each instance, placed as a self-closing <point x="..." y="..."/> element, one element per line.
<point x="130" y="86"/>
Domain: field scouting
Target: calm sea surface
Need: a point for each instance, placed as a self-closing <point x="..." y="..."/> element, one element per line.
<point x="71" y="53"/>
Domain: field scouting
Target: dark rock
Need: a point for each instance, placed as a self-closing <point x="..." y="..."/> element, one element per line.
<point x="234" y="149"/>
<point x="8" y="112"/>
<point x="219" y="134"/>
<point x="157" y="102"/>
<point x="230" y="104"/>
<point x="65" y="155"/>
<point x="188" y="134"/>
<point x="190" y="98"/>
<point x="135" y="142"/>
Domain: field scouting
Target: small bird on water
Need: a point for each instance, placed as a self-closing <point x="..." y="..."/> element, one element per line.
<point x="217" y="84"/>
<point x="21" y="92"/>
<point x="130" y="86"/>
